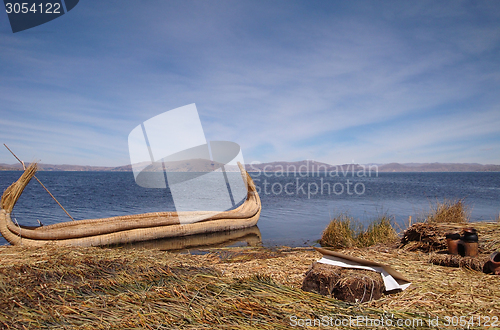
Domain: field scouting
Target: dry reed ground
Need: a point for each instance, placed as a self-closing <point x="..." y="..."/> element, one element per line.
<point x="236" y="288"/>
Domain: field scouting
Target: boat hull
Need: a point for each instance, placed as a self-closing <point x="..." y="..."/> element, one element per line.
<point x="131" y="235"/>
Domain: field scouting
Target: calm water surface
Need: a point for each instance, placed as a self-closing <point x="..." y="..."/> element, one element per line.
<point x="295" y="209"/>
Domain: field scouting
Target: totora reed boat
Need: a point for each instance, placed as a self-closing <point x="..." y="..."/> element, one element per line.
<point x="123" y="229"/>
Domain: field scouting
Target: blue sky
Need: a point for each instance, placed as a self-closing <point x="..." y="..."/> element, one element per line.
<point x="333" y="81"/>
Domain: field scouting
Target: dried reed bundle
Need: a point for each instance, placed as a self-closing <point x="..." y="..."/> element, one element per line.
<point x="353" y="285"/>
<point x="449" y="260"/>
<point x="12" y="193"/>
<point x="427" y="237"/>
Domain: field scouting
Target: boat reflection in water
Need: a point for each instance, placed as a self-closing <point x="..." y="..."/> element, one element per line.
<point x="242" y="237"/>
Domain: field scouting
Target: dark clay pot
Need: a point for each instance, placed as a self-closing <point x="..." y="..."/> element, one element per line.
<point x="452" y="243"/>
<point x="471" y="249"/>
<point x="470" y="235"/>
<point x="495" y="263"/>
<point x="470" y="242"/>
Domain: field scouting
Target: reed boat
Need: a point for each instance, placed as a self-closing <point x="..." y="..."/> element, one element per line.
<point x="124" y="229"/>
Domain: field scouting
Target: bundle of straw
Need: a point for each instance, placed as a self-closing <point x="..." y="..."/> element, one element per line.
<point x="450" y="260"/>
<point x="12" y="193"/>
<point x="352" y="285"/>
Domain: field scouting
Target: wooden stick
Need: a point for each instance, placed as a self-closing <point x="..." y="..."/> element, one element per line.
<point x="40" y="182"/>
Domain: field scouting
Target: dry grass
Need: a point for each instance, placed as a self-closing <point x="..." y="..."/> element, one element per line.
<point x="235" y="288"/>
<point x="379" y="231"/>
<point x="345" y="232"/>
<point x="449" y="211"/>
<point x="340" y="233"/>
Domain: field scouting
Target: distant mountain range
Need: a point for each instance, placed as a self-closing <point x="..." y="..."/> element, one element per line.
<point x="438" y="167"/>
<point x="191" y="165"/>
<point x="198" y="165"/>
<point x="313" y="166"/>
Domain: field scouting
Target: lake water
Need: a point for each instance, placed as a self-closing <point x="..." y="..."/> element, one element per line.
<point x="295" y="207"/>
